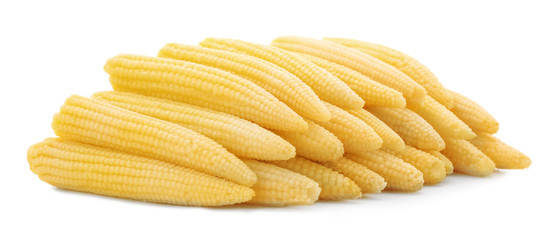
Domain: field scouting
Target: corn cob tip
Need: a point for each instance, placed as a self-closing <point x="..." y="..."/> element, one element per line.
<point x="503" y="155"/>
<point x="278" y="186"/>
<point x="468" y="159"/>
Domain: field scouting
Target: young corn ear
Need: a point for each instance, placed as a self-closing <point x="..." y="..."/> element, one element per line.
<point x="102" y="124"/>
<point x="324" y="84"/>
<point x="202" y="86"/>
<point x="413" y="129"/>
<point x="391" y="140"/>
<point x="280" y="187"/>
<point x="448" y="167"/>
<point x="372" y="92"/>
<point x="432" y="168"/>
<point x="409" y="65"/>
<point x="277" y="81"/>
<point x="317" y="144"/>
<point x="355" y="135"/>
<point x="475" y="116"/>
<point x="467" y="158"/>
<point x="503" y="155"/>
<point x="399" y="175"/>
<point x="238" y="136"/>
<point x="367" y="180"/>
<point x="442" y="119"/>
<point x="356" y="60"/>
<point x="334" y="186"/>
<point x="86" y="168"/>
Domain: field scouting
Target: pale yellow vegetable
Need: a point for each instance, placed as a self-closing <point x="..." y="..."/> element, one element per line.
<point x="399" y="175"/>
<point x="282" y="84"/>
<point x="317" y="144"/>
<point x="371" y="91"/>
<point x="280" y="187"/>
<point x="99" y="123"/>
<point x="238" y="136"/>
<point x="475" y="116"/>
<point x="356" y="60"/>
<point x="467" y="158"/>
<point x="409" y="65"/>
<point x="391" y="140"/>
<point x="202" y="86"/>
<point x="442" y="119"/>
<point x="413" y="129"/>
<point x="367" y="180"/>
<point x="503" y="155"/>
<point x="355" y="135"/>
<point x="81" y="167"/>
<point x="432" y="168"/>
<point x="324" y="84"/>
<point x="448" y="167"/>
<point x="334" y="186"/>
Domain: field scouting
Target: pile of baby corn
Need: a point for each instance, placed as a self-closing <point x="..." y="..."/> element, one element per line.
<point x="302" y="119"/>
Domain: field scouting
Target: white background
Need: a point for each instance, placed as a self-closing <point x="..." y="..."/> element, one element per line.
<point x="500" y="53"/>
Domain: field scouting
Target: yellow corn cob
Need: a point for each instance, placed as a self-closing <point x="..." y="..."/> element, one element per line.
<point x="367" y="180"/>
<point x="372" y="92"/>
<point x="448" y="167"/>
<point x="391" y="140"/>
<point x="277" y="81"/>
<point x="324" y="84"/>
<point x="86" y="168"/>
<point x="334" y="186"/>
<point x="413" y="129"/>
<point x="432" y="168"/>
<point x="240" y="137"/>
<point x="99" y="123"/>
<point x="202" y="86"/>
<point x="467" y="158"/>
<point x="475" y="116"/>
<point x="503" y="155"/>
<point x="317" y="144"/>
<point x="356" y="60"/>
<point x="442" y="119"/>
<point x="355" y="135"/>
<point x="409" y="65"/>
<point x="279" y="186"/>
<point x="399" y="175"/>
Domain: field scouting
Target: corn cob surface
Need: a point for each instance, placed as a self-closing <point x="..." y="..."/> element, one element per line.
<point x="503" y="155"/>
<point x="412" y="128"/>
<point x="367" y="180"/>
<point x="324" y="84"/>
<point x="356" y="60"/>
<point x="99" y="123"/>
<point x="432" y="168"/>
<point x="282" y="84"/>
<point x="280" y="187"/>
<point x="239" y="136"/>
<point x="355" y="135"/>
<point x="448" y="167"/>
<point x="202" y="86"/>
<point x="475" y="116"/>
<point x="467" y="158"/>
<point x="391" y="140"/>
<point x="317" y="144"/>
<point x="442" y="119"/>
<point x="410" y="66"/>
<point x="399" y="175"/>
<point x="372" y="92"/>
<point x="334" y="186"/>
<point x="81" y="167"/>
